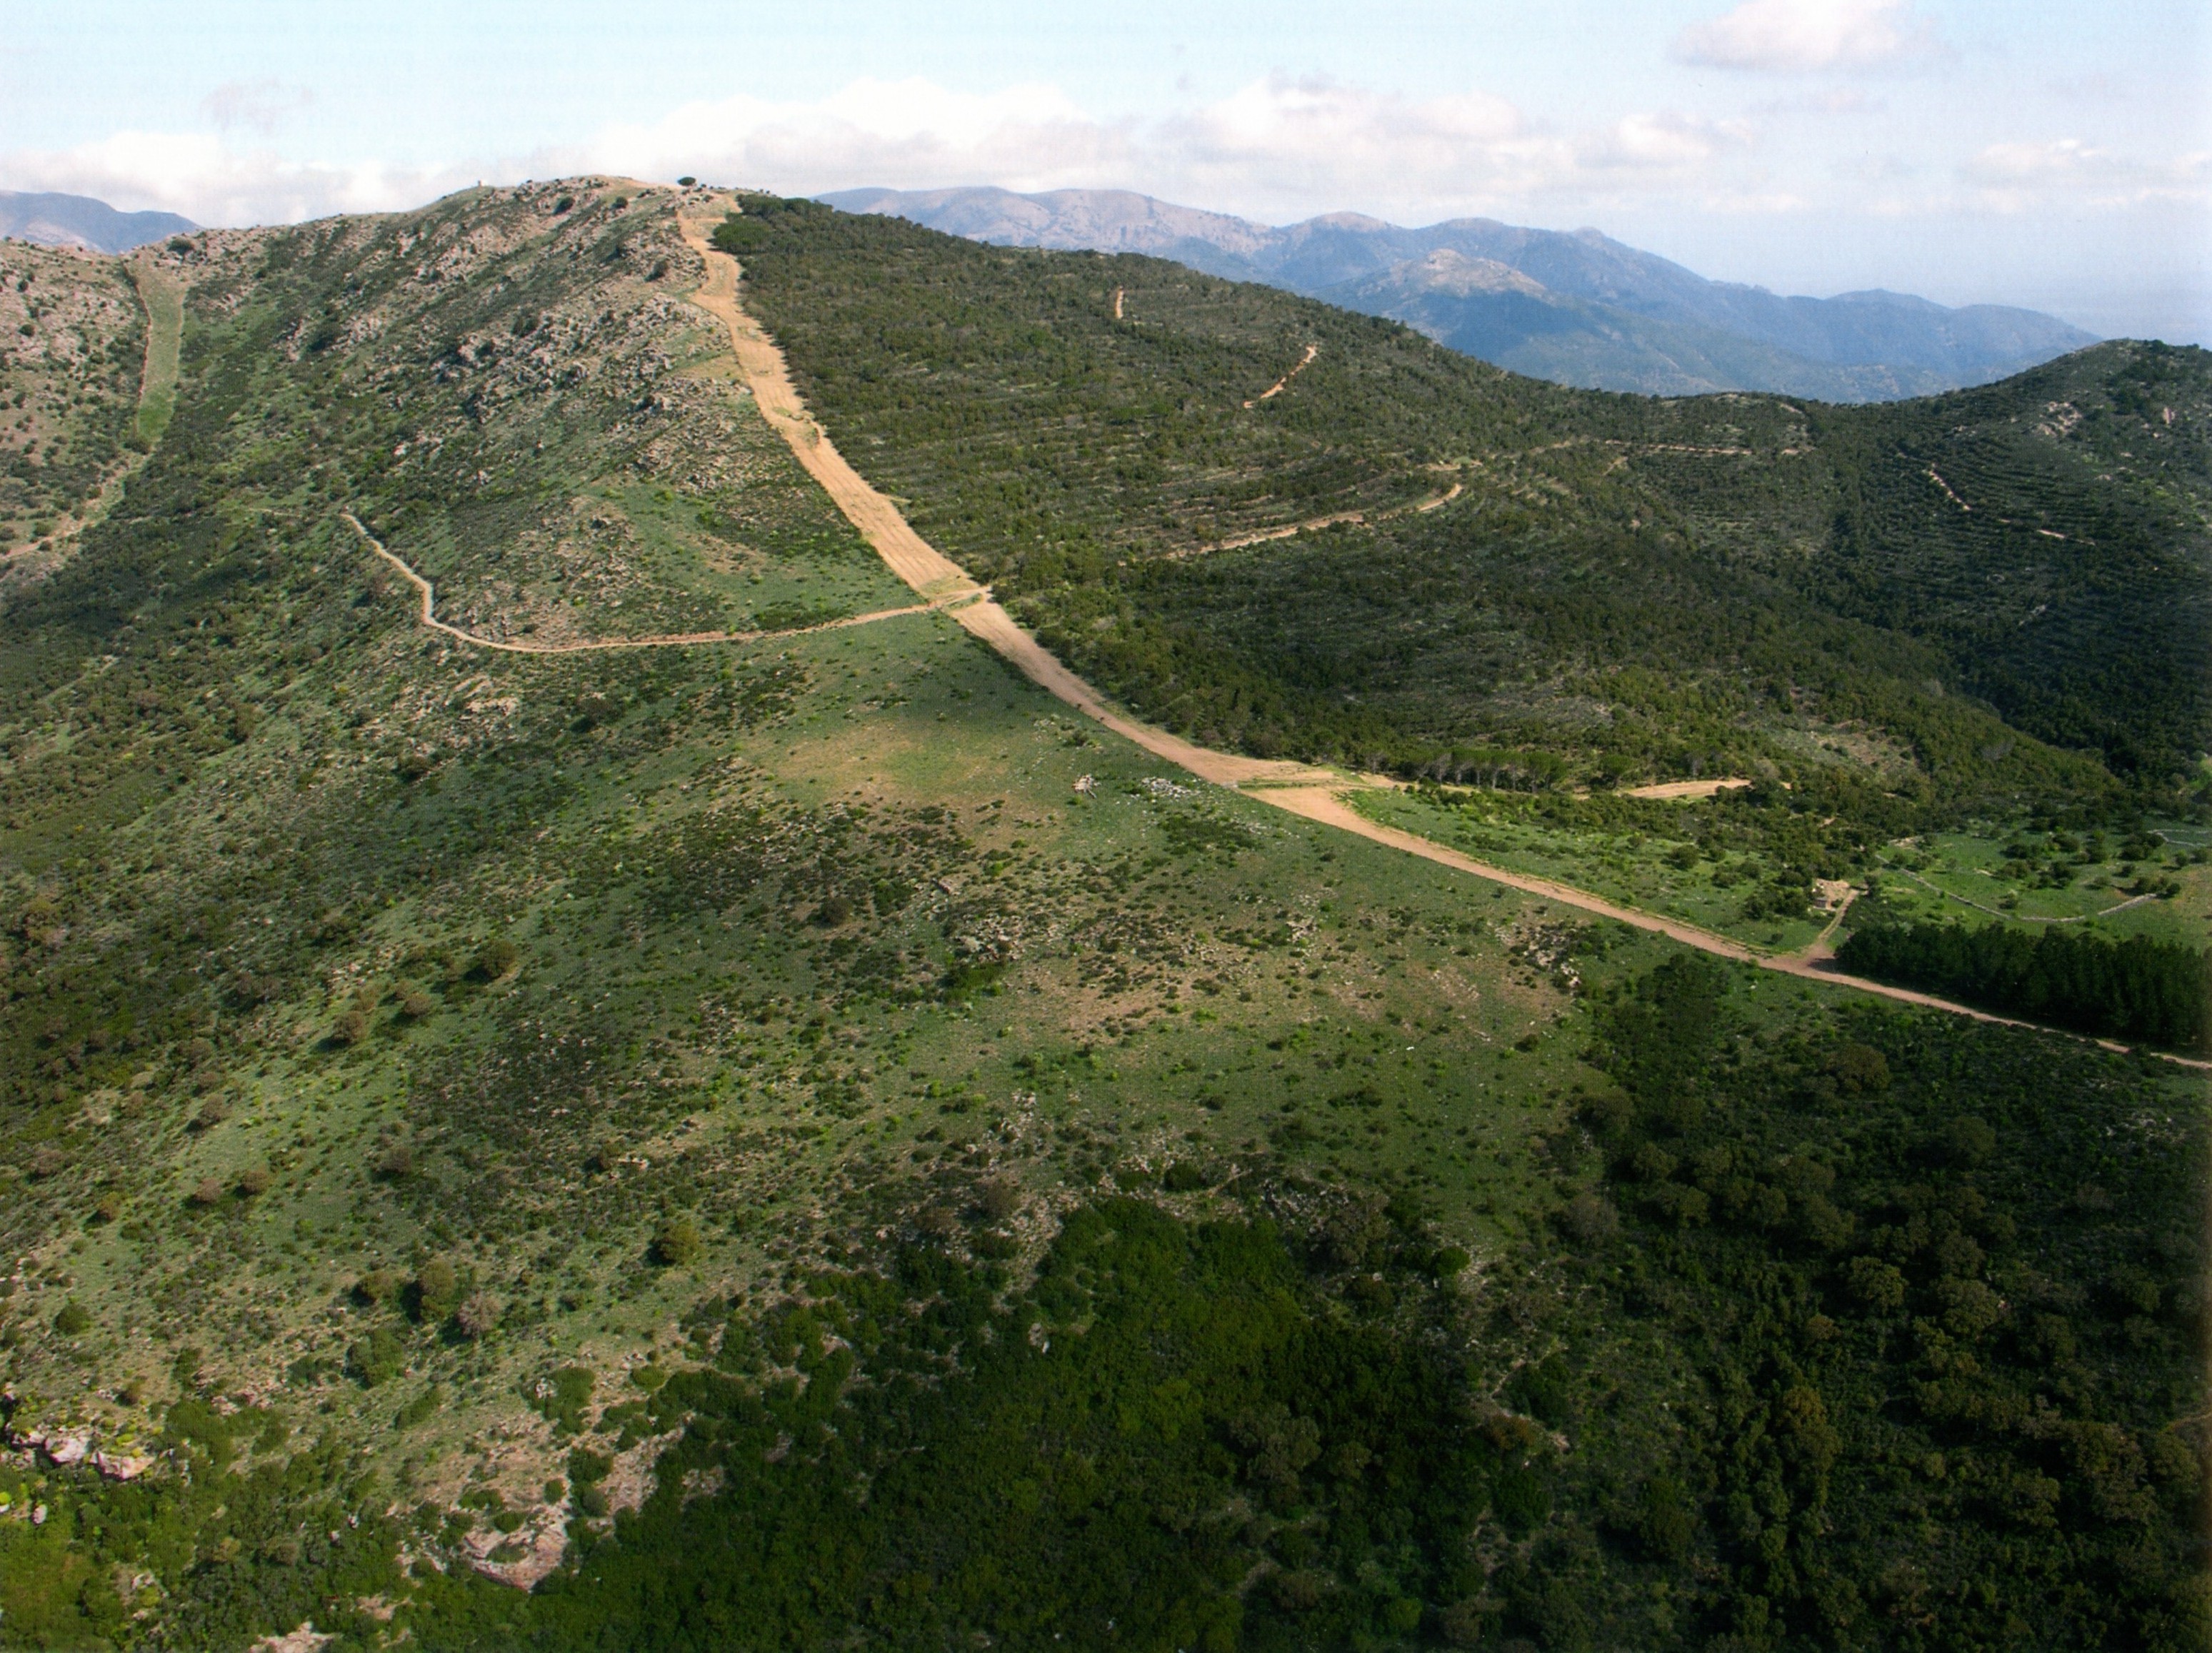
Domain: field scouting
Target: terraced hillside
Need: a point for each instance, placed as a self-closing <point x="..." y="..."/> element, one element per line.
<point x="804" y="1140"/>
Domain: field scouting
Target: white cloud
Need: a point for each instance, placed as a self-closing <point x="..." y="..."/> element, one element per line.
<point x="207" y="179"/>
<point x="1277" y="142"/>
<point x="1801" y="36"/>
<point x="2023" y="177"/>
<point x="261" y="105"/>
<point x="1662" y="142"/>
<point x="905" y="133"/>
<point x="1275" y="147"/>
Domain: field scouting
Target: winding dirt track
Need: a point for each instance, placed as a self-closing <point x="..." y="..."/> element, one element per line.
<point x="1284" y="382"/>
<point x="1317" y="793"/>
<point x="428" y="616"/>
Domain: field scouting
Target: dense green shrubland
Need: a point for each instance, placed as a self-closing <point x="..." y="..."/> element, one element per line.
<point x="500" y="1064"/>
<point x="1868" y="1330"/>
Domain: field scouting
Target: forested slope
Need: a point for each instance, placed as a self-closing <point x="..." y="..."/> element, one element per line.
<point x="1976" y="578"/>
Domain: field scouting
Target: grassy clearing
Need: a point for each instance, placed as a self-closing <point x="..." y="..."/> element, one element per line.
<point x="1664" y="869"/>
<point x="163" y="301"/>
<point x="2152" y="882"/>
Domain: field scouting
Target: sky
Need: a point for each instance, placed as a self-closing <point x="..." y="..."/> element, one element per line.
<point x="2050" y="154"/>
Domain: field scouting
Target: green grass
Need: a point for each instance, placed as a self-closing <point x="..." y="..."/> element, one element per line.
<point x="1671" y="861"/>
<point x="165" y="326"/>
<point x="2115" y="885"/>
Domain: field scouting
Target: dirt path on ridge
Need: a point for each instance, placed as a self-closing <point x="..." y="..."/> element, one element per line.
<point x="917" y="562"/>
<point x="1315" y="793"/>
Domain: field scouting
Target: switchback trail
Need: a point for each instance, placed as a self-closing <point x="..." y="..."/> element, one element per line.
<point x="1314" y="792"/>
<point x="1261" y="536"/>
<point x="428" y="616"/>
<point x="1284" y="382"/>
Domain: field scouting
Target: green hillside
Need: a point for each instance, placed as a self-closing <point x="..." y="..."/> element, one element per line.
<point x="1618" y="578"/>
<point x="72" y="337"/>
<point x="806" y="1140"/>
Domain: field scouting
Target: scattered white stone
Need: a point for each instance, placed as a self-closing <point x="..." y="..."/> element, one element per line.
<point x="122" y="1466"/>
<point x="63" y="1448"/>
<point x="306" y="1639"/>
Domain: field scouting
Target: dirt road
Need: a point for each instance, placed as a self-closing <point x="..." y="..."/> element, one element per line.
<point x="1317" y="793"/>
<point x="909" y="556"/>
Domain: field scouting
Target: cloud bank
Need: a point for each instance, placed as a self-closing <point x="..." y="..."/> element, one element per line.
<point x="1275" y="146"/>
<point x="1798" y="37"/>
<point x="1283" y="147"/>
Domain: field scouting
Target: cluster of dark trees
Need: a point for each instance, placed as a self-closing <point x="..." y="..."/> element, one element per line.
<point x="2157" y="991"/>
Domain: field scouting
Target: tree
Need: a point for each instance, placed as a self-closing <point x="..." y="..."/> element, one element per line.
<point x="498" y="957"/>
<point x="396" y="1162"/>
<point x="376" y="1358"/>
<point x="377" y="1285"/>
<point x="676" y="1242"/>
<point x="437" y="1290"/>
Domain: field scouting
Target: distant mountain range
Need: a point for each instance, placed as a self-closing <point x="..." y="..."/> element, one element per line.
<point x="78" y="220"/>
<point x="1577" y="308"/>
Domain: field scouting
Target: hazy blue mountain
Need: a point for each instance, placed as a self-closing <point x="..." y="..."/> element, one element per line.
<point x="1579" y="308"/>
<point x="78" y="220"/>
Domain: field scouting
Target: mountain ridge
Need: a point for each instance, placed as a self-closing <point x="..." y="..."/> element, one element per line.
<point x="46" y="218"/>
<point x="1609" y="316"/>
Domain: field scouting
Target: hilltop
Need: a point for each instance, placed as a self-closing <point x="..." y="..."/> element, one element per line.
<point x="582" y="1065"/>
<point x="1576" y="307"/>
